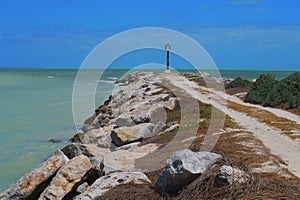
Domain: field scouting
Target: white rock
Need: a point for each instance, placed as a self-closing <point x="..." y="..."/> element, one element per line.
<point x="94" y="135"/>
<point x="229" y="175"/>
<point x="124" y="160"/>
<point x="170" y="104"/>
<point x="123" y="135"/>
<point x="105" y="183"/>
<point x="149" y="113"/>
<point x="183" y="167"/>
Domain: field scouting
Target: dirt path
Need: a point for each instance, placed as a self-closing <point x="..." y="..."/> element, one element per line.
<point x="279" y="144"/>
<point x="275" y="111"/>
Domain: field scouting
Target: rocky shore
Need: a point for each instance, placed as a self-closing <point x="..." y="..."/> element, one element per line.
<point x="125" y="129"/>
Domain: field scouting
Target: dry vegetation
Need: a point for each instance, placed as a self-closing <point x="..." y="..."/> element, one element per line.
<point x="283" y="124"/>
<point x="296" y="111"/>
<point x="288" y="127"/>
<point x="232" y="91"/>
<point x="269" y="179"/>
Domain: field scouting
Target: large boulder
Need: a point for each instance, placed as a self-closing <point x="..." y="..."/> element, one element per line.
<point x="95" y="154"/>
<point x="149" y="113"/>
<point x="96" y="135"/>
<point x="124" y="120"/>
<point x="96" y="151"/>
<point x="124" y="160"/>
<point x="183" y="167"/>
<point x="33" y="183"/>
<point x="65" y="179"/>
<point x="124" y="135"/>
<point x="73" y="150"/>
<point x="90" y="150"/>
<point x="105" y="183"/>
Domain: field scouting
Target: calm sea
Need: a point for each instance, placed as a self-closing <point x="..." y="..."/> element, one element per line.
<point x="36" y="105"/>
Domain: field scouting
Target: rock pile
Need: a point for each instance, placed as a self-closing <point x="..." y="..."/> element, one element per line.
<point x="106" y="152"/>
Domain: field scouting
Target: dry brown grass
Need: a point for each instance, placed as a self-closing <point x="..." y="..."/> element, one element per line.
<point x="295" y="111"/>
<point x="266" y="117"/>
<point x="236" y="90"/>
<point x="242" y="150"/>
<point x="283" y="124"/>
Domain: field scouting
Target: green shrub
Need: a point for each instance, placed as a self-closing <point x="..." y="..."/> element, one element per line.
<point x="286" y="93"/>
<point x="268" y="91"/>
<point x="260" y="90"/>
<point x="237" y="83"/>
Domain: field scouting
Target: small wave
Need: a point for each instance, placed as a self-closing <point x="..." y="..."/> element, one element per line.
<point x="50" y="77"/>
<point x="105" y="81"/>
<point x="113" y="78"/>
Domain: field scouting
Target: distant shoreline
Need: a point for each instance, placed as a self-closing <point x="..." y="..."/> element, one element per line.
<point x="227" y="73"/>
<point x="180" y="69"/>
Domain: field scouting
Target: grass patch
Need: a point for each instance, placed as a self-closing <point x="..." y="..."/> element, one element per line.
<point x="195" y="78"/>
<point x="203" y="124"/>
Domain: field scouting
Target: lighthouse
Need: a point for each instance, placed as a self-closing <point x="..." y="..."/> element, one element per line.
<point x="168" y="48"/>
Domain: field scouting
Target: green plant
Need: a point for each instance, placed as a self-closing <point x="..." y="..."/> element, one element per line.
<point x="195" y="78"/>
<point x="270" y="92"/>
<point x="286" y="93"/>
<point x="238" y="82"/>
<point x="260" y="90"/>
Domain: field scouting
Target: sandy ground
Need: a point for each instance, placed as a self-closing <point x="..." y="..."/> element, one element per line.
<point x="279" y="144"/>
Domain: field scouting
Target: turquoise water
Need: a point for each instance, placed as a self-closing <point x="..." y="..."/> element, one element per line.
<point x="36" y="105"/>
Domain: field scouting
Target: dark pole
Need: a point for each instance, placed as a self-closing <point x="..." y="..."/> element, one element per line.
<point x="168" y="47"/>
<point x="168" y="60"/>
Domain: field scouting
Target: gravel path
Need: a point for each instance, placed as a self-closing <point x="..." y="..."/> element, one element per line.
<point x="279" y="144"/>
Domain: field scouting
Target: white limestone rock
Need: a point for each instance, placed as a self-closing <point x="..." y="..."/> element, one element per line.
<point x="105" y="183"/>
<point x="183" y="167"/>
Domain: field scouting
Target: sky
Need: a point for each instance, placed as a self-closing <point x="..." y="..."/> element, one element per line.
<point x="235" y="33"/>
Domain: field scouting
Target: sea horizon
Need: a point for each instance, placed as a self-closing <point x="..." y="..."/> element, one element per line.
<point x="179" y="68"/>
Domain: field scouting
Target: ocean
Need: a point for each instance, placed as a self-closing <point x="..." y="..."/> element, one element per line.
<point x="36" y="106"/>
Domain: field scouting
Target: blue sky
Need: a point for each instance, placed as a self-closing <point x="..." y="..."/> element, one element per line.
<point x="236" y="33"/>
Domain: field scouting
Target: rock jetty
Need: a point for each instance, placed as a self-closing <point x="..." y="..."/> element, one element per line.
<point x="104" y="155"/>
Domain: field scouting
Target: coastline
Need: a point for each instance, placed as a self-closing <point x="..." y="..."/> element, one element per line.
<point x="110" y="140"/>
